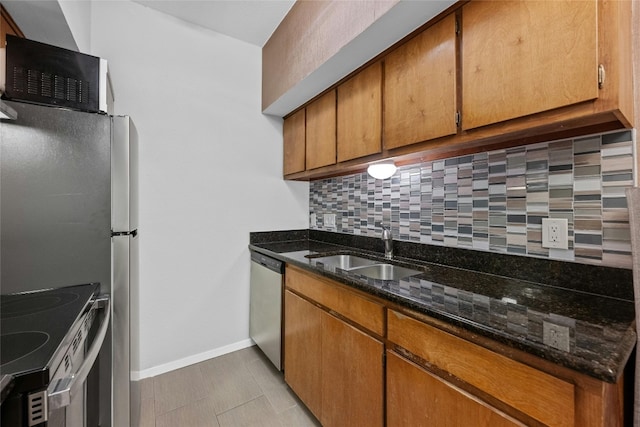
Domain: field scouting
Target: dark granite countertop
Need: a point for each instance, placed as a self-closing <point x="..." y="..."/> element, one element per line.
<point x="510" y="310"/>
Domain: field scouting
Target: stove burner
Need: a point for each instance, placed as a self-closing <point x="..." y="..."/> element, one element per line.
<point x="30" y="304"/>
<point x="21" y="344"/>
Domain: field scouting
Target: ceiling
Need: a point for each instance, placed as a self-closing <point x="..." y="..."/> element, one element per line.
<point x="252" y="21"/>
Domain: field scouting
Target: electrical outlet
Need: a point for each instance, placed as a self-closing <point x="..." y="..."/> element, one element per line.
<point x="556" y="336"/>
<point x="313" y="220"/>
<point x="329" y="220"/>
<point x="555" y="233"/>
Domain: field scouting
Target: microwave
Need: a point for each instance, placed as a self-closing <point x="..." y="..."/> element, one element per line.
<point x="43" y="74"/>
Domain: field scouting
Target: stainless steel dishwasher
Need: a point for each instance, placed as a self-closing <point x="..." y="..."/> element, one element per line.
<point x="265" y="316"/>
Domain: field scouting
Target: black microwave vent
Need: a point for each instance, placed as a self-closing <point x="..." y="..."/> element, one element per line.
<point x="45" y="74"/>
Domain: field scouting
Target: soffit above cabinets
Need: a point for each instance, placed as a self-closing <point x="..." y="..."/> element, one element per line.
<point x="304" y="61"/>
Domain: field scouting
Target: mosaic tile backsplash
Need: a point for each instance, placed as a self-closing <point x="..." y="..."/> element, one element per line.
<point x="495" y="201"/>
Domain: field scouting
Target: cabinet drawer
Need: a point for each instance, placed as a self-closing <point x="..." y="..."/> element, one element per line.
<point x="535" y="393"/>
<point x="434" y="402"/>
<point x="366" y="313"/>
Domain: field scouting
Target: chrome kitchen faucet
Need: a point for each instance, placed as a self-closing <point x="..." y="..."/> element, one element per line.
<point x="387" y="238"/>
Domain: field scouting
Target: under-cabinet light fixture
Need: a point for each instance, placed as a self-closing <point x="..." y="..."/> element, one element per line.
<point x="382" y="170"/>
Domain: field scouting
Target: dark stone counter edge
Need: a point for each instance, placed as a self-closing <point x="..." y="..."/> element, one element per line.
<point x="610" y="373"/>
<point x="562" y="274"/>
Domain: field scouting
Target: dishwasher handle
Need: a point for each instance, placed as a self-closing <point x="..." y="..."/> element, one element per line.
<point x="268" y="262"/>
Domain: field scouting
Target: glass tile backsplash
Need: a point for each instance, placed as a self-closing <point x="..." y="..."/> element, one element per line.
<point x="495" y="201"/>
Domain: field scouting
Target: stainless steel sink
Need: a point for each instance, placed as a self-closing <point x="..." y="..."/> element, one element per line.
<point x="385" y="272"/>
<point x="366" y="267"/>
<point x="345" y="262"/>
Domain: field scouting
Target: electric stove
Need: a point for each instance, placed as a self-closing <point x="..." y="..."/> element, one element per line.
<point x="43" y="340"/>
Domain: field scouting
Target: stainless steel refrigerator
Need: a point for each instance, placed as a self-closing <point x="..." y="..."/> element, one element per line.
<point x="68" y="215"/>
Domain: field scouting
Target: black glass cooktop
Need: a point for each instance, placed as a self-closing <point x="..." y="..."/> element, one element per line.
<point x="34" y="303"/>
<point x="34" y="324"/>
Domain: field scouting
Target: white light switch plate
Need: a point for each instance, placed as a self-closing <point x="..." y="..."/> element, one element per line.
<point x="555" y="233"/>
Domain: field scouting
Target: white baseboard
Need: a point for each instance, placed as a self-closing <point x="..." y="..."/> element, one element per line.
<point x="196" y="358"/>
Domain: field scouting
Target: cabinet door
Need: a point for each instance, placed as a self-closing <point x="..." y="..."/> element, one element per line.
<point x="416" y="397"/>
<point x="294" y="147"/>
<point x="352" y="376"/>
<point x="360" y="114"/>
<point x="524" y="57"/>
<point x="303" y="350"/>
<point x="420" y="87"/>
<point x="321" y="131"/>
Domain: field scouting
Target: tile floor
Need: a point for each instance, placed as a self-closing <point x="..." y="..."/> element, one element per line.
<point x="241" y="388"/>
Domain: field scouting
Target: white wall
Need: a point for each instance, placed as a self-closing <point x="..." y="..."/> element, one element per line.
<point x="77" y="13"/>
<point x="210" y="172"/>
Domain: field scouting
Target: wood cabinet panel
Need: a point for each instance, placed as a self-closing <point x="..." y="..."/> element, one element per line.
<point x="416" y="397"/>
<point x="303" y="350"/>
<point x="535" y="393"/>
<point x="294" y="145"/>
<point x="335" y="368"/>
<point x="360" y="114"/>
<point x="7" y="26"/>
<point x="420" y="87"/>
<point x="310" y="35"/>
<point x="352" y="380"/>
<point x="524" y="57"/>
<point x="365" y="312"/>
<point x="321" y="131"/>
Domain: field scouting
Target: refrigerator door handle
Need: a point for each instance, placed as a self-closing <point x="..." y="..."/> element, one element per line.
<point x="133" y="233"/>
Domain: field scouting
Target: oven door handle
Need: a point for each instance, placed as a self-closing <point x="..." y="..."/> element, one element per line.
<point x="61" y="392"/>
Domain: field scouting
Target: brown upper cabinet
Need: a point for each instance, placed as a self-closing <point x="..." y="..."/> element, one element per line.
<point x="420" y="87"/>
<point x="294" y="146"/>
<point x="360" y="114"/>
<point x="525" y="57"/>
<point x="321" y="131"/>
<point x="486" y="75"/>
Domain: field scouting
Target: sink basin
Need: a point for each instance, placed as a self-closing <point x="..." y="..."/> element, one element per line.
<point x="345" y="262"/>
<point x="365" y="267"/>
<point x="385" y="272"/>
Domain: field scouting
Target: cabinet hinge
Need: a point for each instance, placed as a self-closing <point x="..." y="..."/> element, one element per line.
<point x="458" y="118"/>
<point x="457" y="27"/>
<point x="601" y="76"/>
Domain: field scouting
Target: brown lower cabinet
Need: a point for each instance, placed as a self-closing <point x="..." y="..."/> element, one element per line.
<point x="352" y="375"/>
<point x="335" y="368"/>
<point x="533" y="393"/>
<point x="303" y="350"/>
<point x="434" y="374"/>
<point x="416" y="397"/>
